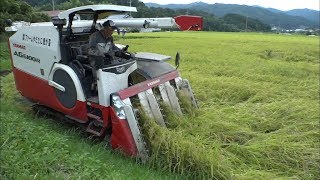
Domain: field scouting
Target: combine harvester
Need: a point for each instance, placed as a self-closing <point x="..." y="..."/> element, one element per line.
<point x="51" y="67"/>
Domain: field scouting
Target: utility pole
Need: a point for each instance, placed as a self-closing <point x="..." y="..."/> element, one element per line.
<point x="52" y="5"/>
<point x="130" y="6"/>
<point x="246" y="23"/>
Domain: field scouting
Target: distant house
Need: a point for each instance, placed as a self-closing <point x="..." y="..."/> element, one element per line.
<point x="52" y="14"/>
<point x="301" y="30"/>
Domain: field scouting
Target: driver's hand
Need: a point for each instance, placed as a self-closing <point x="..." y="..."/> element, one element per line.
<point x="125" y="48"/>
<point x="119" y="53"/>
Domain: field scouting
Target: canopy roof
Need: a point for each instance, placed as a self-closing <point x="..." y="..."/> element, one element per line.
<point x="100" y="8"/>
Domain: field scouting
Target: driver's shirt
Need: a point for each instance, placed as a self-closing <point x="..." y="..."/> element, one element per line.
<point x="99" y="45"/>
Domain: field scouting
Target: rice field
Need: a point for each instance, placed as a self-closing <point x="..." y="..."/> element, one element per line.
<point x="258" y="117"/>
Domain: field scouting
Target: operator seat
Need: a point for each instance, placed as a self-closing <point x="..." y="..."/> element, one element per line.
<point x="81" y="53"/>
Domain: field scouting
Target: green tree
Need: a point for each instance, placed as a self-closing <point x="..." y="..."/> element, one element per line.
<point x="18" y="10"/>
<point x="73" y="3"/>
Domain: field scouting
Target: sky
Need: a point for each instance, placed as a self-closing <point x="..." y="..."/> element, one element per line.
<point x="277" y="4"/>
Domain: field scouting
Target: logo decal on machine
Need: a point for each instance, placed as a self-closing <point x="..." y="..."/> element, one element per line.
<point x="38" y="40"/>
<point x="19" y="46"/>
<point x="153" y="82"/>
<point x="25" y="56"/>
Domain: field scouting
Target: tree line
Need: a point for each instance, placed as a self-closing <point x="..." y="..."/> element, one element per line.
<point x="18" y="10"/>
<point x="29" y="10"/>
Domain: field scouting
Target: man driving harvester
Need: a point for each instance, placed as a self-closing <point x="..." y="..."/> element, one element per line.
<point x="102" y="50"/>
<point x="101" y="42"/>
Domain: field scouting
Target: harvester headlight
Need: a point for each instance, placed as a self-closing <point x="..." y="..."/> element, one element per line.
<point x="118" y="107"/>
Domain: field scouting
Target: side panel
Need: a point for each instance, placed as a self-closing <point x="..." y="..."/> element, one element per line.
<point x="35" y="49"/>
<point x="111" y="81"/>
<point x="39" y="91"/>
<point x="121" y="137"/>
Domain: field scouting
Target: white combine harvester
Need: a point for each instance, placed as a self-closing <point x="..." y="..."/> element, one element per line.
<point x="51" y="67"/>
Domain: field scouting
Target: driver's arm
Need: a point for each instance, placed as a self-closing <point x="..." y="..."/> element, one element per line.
<point x="114" y="47"/>
<point x="93" y="50"/>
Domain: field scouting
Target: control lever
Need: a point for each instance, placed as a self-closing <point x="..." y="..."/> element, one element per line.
<point x="125" y="48"/>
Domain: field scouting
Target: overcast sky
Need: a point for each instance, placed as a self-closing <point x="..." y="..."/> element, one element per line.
<point x="277" y="4"/>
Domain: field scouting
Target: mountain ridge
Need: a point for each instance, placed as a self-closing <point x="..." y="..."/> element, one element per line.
<point x="296" y="18"/>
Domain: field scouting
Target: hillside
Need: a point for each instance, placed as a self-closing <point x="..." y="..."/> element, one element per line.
<point x="271" y="17"/>
<point x="309" y="14"/>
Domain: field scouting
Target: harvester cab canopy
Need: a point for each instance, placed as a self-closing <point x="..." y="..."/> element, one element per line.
<point x="89" y="16"/>
<point x="102" y="10"/>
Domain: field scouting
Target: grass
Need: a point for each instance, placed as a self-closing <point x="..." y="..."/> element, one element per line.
<point x="4" y="57"/>
<point x="258" y="118"/>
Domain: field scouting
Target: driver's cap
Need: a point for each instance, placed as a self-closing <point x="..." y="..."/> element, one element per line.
<point x="109" y="23"/>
